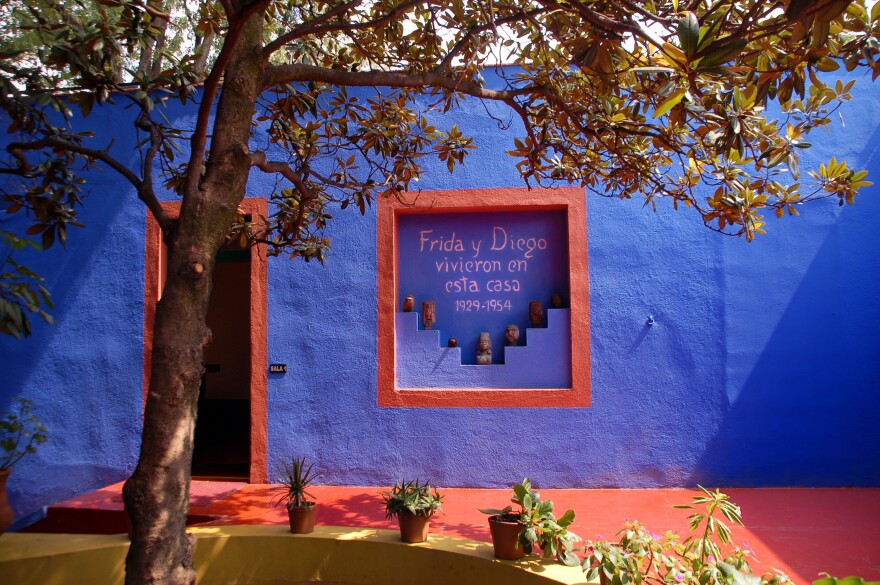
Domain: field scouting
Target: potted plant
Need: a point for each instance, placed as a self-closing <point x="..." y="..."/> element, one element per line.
<point x="515" y="534"/>
<point x="20" y="434"/>
<point x="413" y="504"/>
<point x="297" y="477"/>
<point x="640" y="556"/>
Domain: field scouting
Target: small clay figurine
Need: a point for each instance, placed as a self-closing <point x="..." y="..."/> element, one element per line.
<point x="484" y="349"/>
<point x="536" y="313"/>
<point x="556" y="301"/>
<point x="409" y="304"/>
<point x="511" y="335"/>
<point x="428" y="314"/>
<point x="453" y="342"/>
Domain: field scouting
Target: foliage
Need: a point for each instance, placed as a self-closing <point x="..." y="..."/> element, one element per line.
<point x="829" y="580"/>
<point x="168" y="28"/>
<point x="297" y="477"/>
<point x="540" y="527"/>
<point x="419" y="498"/>
<point x="660" y="101"/>
<point x="20" y="433"/>
<point x="21" y="289"/>
<point x="641" y="556"/>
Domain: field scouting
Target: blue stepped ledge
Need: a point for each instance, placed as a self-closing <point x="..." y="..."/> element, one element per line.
<point x="544" y="363"/>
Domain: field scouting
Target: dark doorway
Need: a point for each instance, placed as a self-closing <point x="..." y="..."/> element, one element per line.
<point x="223" y="428"/>
<point x="248" y="323"/>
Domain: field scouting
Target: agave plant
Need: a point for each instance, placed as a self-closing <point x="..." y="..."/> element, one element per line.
<point x="419" y="498"/>
<point x="298" y="475"/>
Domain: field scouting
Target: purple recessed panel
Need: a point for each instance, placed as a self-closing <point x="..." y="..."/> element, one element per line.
<point x="544" y="363"/>
<point x="482" y="269"/>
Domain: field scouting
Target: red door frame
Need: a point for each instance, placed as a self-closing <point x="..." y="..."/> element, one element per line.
<point x="154" y="279"/>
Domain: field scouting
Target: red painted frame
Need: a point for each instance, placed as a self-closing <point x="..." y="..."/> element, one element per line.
<point x="154" y="279"/>
<point x="571" y="199"/>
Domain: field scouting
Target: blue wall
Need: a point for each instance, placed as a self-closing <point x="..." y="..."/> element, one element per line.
<point x="85" y="373"/>
<point x="762" y="367"/>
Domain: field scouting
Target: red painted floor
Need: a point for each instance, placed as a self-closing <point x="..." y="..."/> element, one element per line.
<point x="801" y="532"/>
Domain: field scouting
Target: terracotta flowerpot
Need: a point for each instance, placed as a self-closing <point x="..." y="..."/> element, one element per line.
<point x="6" y="514"/>
<point x="505" y="538"/>
<point x="413" y="528"/>
<point x="302" y="518"/>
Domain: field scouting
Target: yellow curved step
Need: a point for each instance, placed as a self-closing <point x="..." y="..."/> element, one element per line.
<point x="269" y="554"/>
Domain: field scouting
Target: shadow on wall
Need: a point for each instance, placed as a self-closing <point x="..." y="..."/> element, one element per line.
<point x="84" y="373"/>
<point x="804" y="413"/>
<point x="73" y="370"/>
<point x="803" y="389"/>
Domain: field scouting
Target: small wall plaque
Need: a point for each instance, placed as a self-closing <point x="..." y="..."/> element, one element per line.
<point x="277" y="368"/>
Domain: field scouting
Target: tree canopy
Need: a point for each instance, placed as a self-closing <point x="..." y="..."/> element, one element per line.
<point x="655" y="100"/>
<point x="704" y="103"/>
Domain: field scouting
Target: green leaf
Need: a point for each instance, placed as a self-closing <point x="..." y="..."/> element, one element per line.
<point x="521" y="493"/>
<point x="48" y="238"/>
<point x="851" y="581"/>
<point x="721" y="52"/>
<point x="566" y="518"/>
<point x="674" y="54"/>
<point x="708" y="33"/>
<point x="673" y="100"/>
<point x="826" y="64"/>
<point x="689" y="33"/>
<point x="737" y="577"/>
<point x="793" y="166"/>
<point x="496" y="512"/>
<point x="568" y="558"/>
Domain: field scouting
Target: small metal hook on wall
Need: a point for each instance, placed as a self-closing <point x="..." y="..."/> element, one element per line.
<point x="650" y="322"/>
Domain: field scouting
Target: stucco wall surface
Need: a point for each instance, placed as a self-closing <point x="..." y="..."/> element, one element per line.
<point x="761" y="367"/>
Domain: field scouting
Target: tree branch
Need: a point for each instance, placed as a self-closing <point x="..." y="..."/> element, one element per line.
<point x="313" y="27"/>
<point x="258" y="160"/>
<point x="199" y="139"/>
<point x="229" y="10"/>
<point x="145" y="193"/>
<point x="599" y="21"/>
<point x="638" y="8"/>
<point x="17" y="149"/>
<point x="278" y="74"/>
<point x="462" y="42"/>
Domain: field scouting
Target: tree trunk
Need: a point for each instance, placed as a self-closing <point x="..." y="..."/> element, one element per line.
<point x="157" y="494"/>
<point x="203" y="52"/>
<point x="151" y="56"/>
